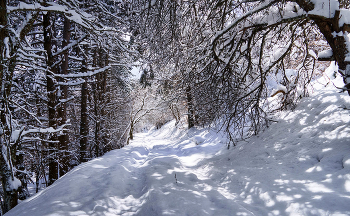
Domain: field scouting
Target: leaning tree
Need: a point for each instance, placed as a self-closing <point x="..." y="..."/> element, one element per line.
<point x="233" y="55"/>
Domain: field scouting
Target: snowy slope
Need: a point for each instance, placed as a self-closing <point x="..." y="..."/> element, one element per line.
<point x="298" y="166"/>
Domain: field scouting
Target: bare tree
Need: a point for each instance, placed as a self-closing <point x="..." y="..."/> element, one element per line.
<point x="39" y="68"/>
<point x="142" y="104"/>
<point x="229" y="52"/>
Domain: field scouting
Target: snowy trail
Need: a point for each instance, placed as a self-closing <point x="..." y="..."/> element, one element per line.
<point x="140" y="180"/>
<point x="191" y="188"/>
<point x="298" y="166"/>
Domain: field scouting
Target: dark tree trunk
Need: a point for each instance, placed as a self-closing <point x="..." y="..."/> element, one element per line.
<point x="104" y="102"/>
<point x="84" y="124"/>
<point x="10" y="195"/>
<point x="96" y="108"/>
<point x="337" y="43"/>
<point x="190" y="114"/>
<point x="62" y="110"/>
<point x="3" y="35"/>
<point x="100" y="60"/>
<point x="97" y="140"/>
<point x="329" y="26"/>
<point x="51" y="96"/>
<point x="131" y="132"/>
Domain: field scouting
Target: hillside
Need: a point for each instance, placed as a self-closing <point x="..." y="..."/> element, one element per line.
<point x="300" y="165"/>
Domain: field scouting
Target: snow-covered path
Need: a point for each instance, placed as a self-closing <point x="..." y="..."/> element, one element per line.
<point x="160" y="173"/>
<point x="298" y="166"/>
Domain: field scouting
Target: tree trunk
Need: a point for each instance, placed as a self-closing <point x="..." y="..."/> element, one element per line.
<point x="190" y="114"/>
<point x="337" y="43"/>
<point x="62" y="110"/>
<point x="100" y="102"/>
<point x="51" y="96"/>
<point x="329" y="26"/>
<point x="131" y="132"/>
<point x="84" y="124"/>
<point x="6" y="171"/>
<point x="96" y="108"/>
<point x="3" y="35"/>
<point x="10" y="194"/>
<point x="104" y="102"/>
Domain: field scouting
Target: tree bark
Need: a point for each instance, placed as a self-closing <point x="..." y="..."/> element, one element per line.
<point x="51" y="96"/>
<point x="131" y="131"/>
<point x="84" y="124"/>
<point x="6" y="172"/>
<point x="100" y="102"/>
<point x="62" y="110"/>
<point x="96" y="107"/>
<point x="190" y="115"/>
<point x="104" y="102"/>
<point x="330" y="28"/>
<point x="337" y="43"/>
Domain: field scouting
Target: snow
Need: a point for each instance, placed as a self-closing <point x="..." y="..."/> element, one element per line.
<point x="70" y="45"/>
<point x="198" y="139"/>
<point x="313" y="54"/>
<point x="79" y="18"/>
<point x="291" y="72"/>
<point x="45" y="130"/>
<point x="325" y="8"/>
<point x="344" y="17"/>
<point x="338" y="34"/>
<point x="15" y="135"/>
<point x="300" y="165"/>
<point x="279" y="89"/>
<point x="261" y="7"/>
<point x="279" y="52"/>
<point x="326" y="54"/>
<point x="7" y="48"/>
<point x="86" y="74"/>
<point x="14" y="184"/>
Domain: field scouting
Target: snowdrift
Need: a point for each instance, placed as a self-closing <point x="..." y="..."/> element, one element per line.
<point x="298" y="166"/>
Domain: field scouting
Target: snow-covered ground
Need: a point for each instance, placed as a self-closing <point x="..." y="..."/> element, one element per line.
<point x="298" y="166"/>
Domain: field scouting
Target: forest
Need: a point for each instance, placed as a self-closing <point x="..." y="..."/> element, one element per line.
<point x="67" y="73"/>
